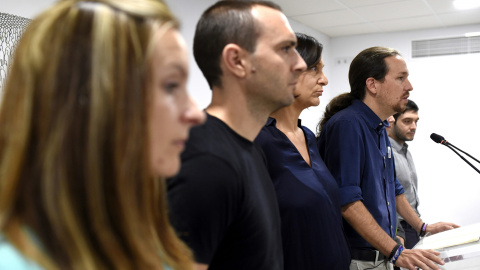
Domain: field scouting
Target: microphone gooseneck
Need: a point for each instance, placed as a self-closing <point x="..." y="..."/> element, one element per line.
<point x="441" y="140"/>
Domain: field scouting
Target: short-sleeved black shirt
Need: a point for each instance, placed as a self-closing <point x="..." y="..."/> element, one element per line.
<point x="223" y="204"/>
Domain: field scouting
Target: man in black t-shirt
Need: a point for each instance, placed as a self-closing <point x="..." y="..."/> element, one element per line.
<point x="222" y="202"/>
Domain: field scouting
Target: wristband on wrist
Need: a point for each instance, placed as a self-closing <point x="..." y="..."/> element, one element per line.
<point x="394" y="251"/>
<point x="423" y="230"/>
<point x="397" y="239"/>
<point x="397" y="255"/>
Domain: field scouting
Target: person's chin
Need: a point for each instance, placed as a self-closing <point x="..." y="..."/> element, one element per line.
<point x="288" y="100"/>
<point x="314" y="102"/>
<point x="169" y="170"/>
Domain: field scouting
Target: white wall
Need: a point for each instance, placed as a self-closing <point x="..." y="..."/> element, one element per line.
<point x="25" y="8"/>
<point x="188" y="13"/>
<point x="447" y="91"/>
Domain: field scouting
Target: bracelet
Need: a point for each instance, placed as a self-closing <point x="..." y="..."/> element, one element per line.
<point x="397" y="254"/>
<point x="394" y="251"/>
<point x="397" y="240"/>
<point x="423" y="230"/>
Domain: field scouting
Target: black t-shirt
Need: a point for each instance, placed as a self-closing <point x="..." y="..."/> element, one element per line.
<point x="223" y="204"/>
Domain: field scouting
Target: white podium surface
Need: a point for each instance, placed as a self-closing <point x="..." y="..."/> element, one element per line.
<point x="459" y="248"/>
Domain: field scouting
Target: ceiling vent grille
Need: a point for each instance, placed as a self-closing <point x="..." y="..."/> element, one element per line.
<point x="445" y="46"/>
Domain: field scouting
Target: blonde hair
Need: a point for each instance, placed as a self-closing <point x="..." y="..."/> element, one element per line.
<point x="74" y="148"/>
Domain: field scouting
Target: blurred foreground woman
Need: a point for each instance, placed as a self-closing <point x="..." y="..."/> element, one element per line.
<point x="94" y="115"/>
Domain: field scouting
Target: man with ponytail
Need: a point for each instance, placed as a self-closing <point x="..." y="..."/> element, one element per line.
<point x="354" y="144"/>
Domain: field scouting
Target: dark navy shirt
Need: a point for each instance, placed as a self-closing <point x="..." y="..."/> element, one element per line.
<point x="355" y="147"/>
<point x="309" y="203"/>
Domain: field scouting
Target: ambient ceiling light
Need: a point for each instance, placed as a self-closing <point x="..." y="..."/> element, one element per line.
<point x="472" y="34"/>
<point x="466" y="4"/>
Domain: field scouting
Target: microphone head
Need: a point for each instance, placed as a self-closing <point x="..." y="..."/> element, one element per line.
<point x="437" y="138"/>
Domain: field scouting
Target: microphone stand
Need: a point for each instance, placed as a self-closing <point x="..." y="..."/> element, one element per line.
<point x="462" y="152"/>
<point x="464" y="159"/>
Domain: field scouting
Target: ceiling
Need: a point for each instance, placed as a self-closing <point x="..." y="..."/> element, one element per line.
<point x="337" y="18"/>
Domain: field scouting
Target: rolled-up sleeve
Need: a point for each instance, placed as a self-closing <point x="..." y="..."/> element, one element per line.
<point x="342" y="149"/>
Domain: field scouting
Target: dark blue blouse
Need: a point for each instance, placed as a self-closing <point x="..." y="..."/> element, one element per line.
<point x="355" y="147"/>
<point x="309" y="203"/>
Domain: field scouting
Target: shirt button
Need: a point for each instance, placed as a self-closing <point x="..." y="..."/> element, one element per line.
<point x="388" y="203"/>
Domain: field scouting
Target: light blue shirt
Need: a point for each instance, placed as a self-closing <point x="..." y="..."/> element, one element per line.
<point x="12" y="259"/>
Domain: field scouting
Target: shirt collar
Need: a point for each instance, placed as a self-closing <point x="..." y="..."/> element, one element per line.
<point x="372" y="120"/>
<point x="397" y="146"/>
<point x="405" y="147"/>
<point x="273" y="122"/>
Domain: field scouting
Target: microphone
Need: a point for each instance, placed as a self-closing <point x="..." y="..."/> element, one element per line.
<point x="441" y="140"/>
<point x="438" y="139"/>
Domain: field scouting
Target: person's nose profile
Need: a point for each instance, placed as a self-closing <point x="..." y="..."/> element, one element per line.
<point x="193" y="115"/>
<point x="300" y="65"/>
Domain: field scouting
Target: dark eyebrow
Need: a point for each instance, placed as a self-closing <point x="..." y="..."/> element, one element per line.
<point x="289" y="42"/>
